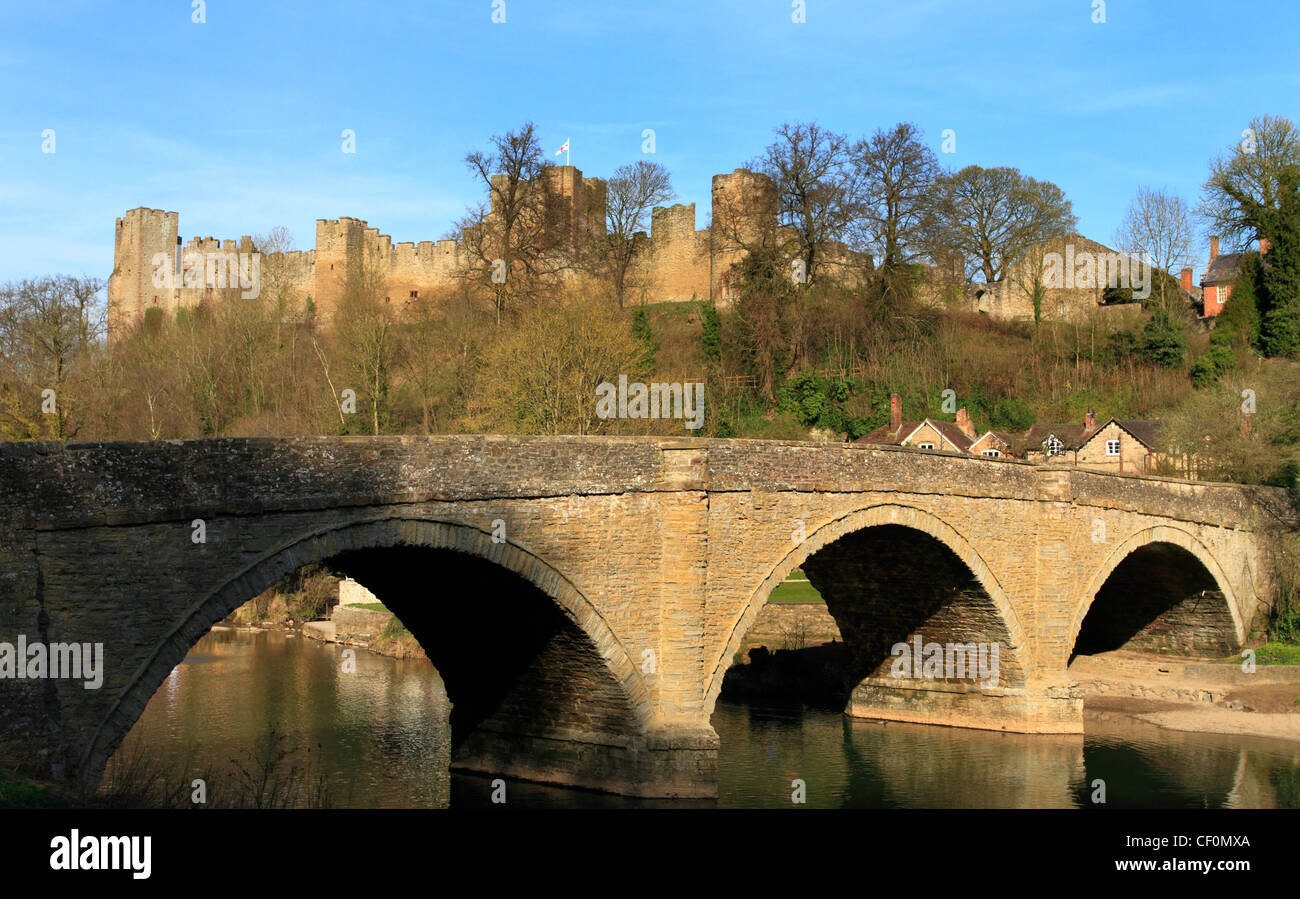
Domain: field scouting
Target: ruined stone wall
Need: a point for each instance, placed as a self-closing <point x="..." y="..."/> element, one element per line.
<point x="675" y="262"/>
<point x="197" y="268"/>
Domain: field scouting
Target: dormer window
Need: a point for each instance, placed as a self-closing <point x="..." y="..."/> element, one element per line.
<point x="1053" y="446"/>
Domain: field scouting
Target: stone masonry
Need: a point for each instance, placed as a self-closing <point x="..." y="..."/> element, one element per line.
<point x="588" y="639"/>
<point x="675" y="262"/>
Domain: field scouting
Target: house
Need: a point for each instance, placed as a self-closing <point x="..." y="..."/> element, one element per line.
<point x="942" y="436"/>
<point x="1119" y="445"/>
<point x="1222" y="270"/>
<point x="995" y="444"/>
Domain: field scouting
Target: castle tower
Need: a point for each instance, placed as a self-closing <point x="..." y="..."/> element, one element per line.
<point x="745" y="206"/>
<point x="744" y="218"/>
<point x="597" y="191"/>
<point x="339" y="253"/>
<point x="139" y="235"/>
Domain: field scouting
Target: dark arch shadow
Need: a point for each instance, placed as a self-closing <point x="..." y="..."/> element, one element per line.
<point x="565" y="634"/>
<point x="1160" y="598"/>
<point x="887" y="583"/>
<point x="912" y="520"/>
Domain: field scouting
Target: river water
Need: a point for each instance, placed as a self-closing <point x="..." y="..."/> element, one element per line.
<point x="377" y="738"/>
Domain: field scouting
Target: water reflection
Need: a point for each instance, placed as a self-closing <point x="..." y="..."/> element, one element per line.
<point x="380" y="737"/>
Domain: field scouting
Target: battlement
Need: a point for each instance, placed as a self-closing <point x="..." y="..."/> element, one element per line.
<point x="676" y="261"/>
<point x="673" y="222"/>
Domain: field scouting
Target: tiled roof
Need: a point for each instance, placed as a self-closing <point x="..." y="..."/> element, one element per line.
<point x="1146" y="430"/>
<point x="1223" y="269"/>
<point x="948" y="429"/>
<point x="1072" y="435"/>
<point x="883" y="434"/>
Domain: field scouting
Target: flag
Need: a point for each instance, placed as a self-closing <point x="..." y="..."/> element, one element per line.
<point x="563" y="147"/>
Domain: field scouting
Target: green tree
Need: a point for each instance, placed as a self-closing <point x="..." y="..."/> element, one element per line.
<point x="711" y="331"/>
<point x="1239" y="320"/>
<point x="1162" y="340"/>
<point x="1280" y="322"/>
<point x="1248" y="178"/>
<point x="762" y="309"/>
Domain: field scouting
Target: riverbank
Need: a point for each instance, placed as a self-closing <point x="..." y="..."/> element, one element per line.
<point x="1215" y="697"/>
<point x="370" y="626"/>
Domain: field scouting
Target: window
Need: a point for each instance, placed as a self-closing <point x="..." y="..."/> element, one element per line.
<point x="925" y="445"/>
<point x="1053" y="446"/>
<point x="415" y="294"/>
<point x="992" y="454"/>
<point x="1112" y="447"/>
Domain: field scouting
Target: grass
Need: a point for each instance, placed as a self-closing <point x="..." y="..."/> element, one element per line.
<point x="368" y="606"/>
<point x="795" y="588"/>
<point x="17" y="791"/>
<point x="1277" y="654"/>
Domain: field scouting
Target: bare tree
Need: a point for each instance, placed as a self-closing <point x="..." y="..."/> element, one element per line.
<point x="363" y="337"/>
<point x="1247" y="177"/>
<point x="630" y="195"/>
<point x="47" y="325"/>
<point x="815" y="190"/>
<point x="1157" y="229"/>
<point x="520" y="239"/>
<point x="895" y="173"/>
<point x="992" y="216"/>
<point x="541" y="377"/>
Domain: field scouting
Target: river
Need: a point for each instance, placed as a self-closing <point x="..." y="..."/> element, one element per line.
<point x="377" y="738"/>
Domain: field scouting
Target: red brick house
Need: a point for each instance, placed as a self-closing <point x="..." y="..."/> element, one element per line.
<point x="1222" y="270"/>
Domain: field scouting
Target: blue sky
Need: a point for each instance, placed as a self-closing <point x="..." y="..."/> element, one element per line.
<point x="236" y="123"/>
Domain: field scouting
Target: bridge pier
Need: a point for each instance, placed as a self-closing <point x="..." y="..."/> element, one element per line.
<point x="1028" y="708"/>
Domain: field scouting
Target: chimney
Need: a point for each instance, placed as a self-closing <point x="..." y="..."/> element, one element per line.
<point x="895" y="413"/>
<point x="1264" y="244"/>
<point x="963" y="422"/>
<point x="1187" y="280"/>
<point x="1214" y="248"/>
<point x="1090" y="421"/>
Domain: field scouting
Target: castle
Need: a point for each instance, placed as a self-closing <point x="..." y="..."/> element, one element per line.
<point x="674" y="262"/>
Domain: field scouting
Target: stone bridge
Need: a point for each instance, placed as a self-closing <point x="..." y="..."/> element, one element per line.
<point x="583" y="598"/>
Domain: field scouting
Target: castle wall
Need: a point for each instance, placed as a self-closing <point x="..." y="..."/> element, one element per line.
<point x="675" y="262"/>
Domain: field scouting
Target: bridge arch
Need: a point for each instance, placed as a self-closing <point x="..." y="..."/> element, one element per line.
<point x="1152" y="536"/>
<point x="325" y="543"/>
<point x="860" y="520"/>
